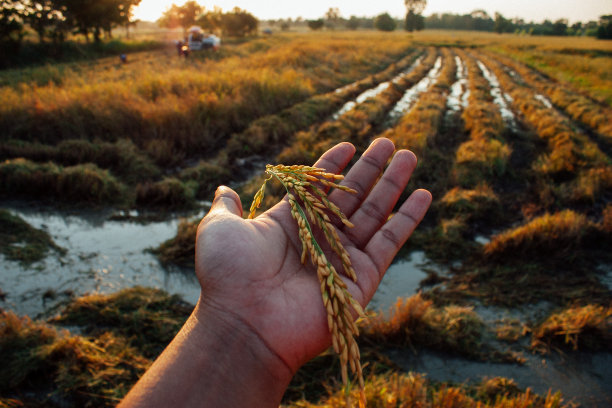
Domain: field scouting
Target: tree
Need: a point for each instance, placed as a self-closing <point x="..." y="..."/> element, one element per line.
<point x="414" y="18"/>
<point x="181" y="16"/>
<point x="352" y="23"/>
<point x="239" y="23"/>
<point x="416" y="6"/>
<point x="332" y="16"/>
<point x="502" y="24"/>
<point x="11" y="22"/>
<point x="316" y="24"/>
<point x="414" y="22"/>
<point x="384" y="22"/>
<point x="604" y="30"/>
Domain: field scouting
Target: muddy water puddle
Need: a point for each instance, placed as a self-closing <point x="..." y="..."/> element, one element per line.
<point x="373" y="92"/>
<point x="458" y="97"/>
<point x="500" y="98"/>
<point x="401" y="280"/>
<point x="102" y="256"/>
<point x="411" y="95"/>
<point x="582" y="378"/>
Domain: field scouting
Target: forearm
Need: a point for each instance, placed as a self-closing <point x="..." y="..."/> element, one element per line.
<point x="212" y="362"/>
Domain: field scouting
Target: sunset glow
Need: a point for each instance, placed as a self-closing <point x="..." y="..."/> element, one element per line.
<point x="573" y="10"/>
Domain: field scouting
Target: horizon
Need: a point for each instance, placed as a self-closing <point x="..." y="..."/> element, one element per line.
<point x="528" y="10"/>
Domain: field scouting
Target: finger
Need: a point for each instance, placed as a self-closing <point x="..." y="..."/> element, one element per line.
<point x="363" y="175"/>
<point x="375" y="210"/>
<point x="336" y="159"/>
<point x="393" y="235"/>
<point x="226" y="200"/>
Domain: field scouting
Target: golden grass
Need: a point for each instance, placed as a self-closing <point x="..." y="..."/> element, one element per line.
<point x="584" y="327"/>
<point x="485" y="155"/>
<point x="581" y="169"/>
<point x="414" y="390"/>
<point x="19" y="241"/>
<point x="79" y="371"/>
<point x="478" y="200"/>
<point x="559" y="233"/>
<point x="419" y="126"/>
<point x="356" y="125"/>
<point x="415" y="321"/>
<point x="280" y="128"/>
<point x="180" y="250"/>
<point x="582" y="109"/>
<point x="83" y="183"/>
<point x="193" y="104"/>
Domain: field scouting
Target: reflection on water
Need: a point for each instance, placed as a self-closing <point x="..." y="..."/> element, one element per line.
<point x="371" y="93"/>
<point x="402" y="279"/>
<point x="459" y="94"/>
<point x="411" y="95"/>
<point x="500" y="98"/>
<point x="582" y="378"/>
<point x="102" y="256"/>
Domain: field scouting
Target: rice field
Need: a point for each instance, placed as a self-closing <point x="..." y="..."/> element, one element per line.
<point x="514" y="140"/>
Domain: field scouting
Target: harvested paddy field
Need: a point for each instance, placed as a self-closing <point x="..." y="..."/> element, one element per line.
<point x="502" y="297"/>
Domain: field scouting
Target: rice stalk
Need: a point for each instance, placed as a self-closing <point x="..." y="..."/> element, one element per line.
<point x="310" y="206"/>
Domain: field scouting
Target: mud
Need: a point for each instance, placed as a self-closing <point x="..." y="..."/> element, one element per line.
<point x="458" y="98"/>
<point x="373" y="92"/>
<point x="501" y="99"/>
<point x="411" y="95"/>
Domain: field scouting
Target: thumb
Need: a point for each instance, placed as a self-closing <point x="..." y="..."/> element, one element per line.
<point x="226" y="200"/>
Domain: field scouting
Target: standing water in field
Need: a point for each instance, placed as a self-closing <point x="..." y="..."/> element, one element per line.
<point x="371" y="93"/>
<point x="404" y="104"/>
<point x="103" y="256"/>
<point x="544" y="100"/>
<point x="459" y="94"/>
<point x="401" y="280"/>
<point x="500" y="98"/>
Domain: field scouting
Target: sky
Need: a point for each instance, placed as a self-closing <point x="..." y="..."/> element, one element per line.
<point x="530" y="10"/>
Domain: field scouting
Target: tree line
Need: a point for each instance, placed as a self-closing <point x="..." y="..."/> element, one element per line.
<point x="236" y="22"/>
<point x="54" y="20"/>
<point x="480" y="20"/>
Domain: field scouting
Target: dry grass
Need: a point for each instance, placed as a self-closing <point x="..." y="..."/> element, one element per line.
<point x="280" y="128"/>
<point x="356" y="125"/>
<point x="19" y="241"/>
<point x="180" y="250"/>
<point x="83" y="183"/>
<point x="480" y="202"/>
<point x="584" y="327"/>
<point x="414" y="390"/>
<point x="569" y="150"/>
<point x="419" y="126"/>
<point x="78" y="371"/>
<point x="559" y="233"/>
<point x="147" y="318"/>
<point x="485" y="155"/>
<point x="415" y="321"/>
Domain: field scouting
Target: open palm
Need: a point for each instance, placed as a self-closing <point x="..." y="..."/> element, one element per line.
<point x="250" y="270"/>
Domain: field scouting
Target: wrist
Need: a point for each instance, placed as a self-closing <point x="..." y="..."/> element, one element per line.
<point x="216" y="360"/>
<point x="241" y="367"/>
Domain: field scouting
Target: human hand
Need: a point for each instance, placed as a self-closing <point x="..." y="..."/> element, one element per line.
<point x="260" y="314"/>
<point x="250" y="270"/>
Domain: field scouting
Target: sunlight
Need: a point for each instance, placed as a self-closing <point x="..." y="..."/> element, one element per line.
<point x="151" y="10"/>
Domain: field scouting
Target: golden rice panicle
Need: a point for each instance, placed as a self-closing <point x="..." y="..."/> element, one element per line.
<point x="257" y="199"/>
<point x="309" y="207"/>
